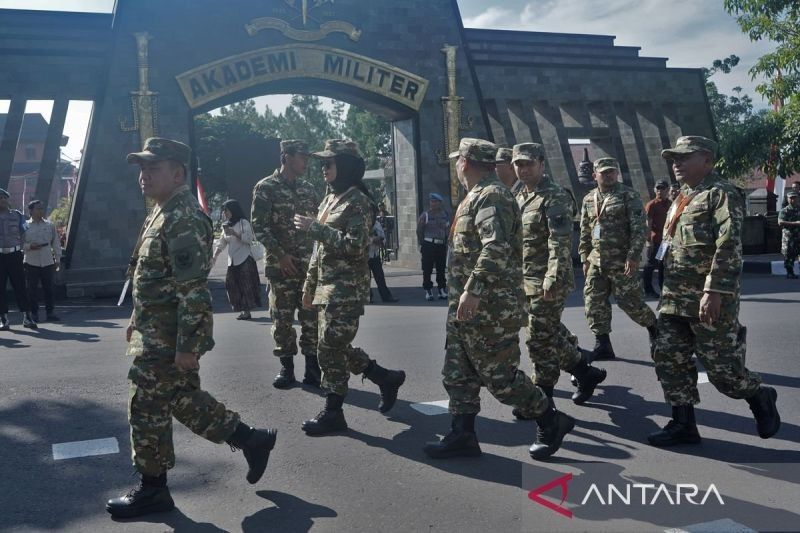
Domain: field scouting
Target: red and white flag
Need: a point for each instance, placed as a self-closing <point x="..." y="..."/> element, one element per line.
<point x="201" y="197"/>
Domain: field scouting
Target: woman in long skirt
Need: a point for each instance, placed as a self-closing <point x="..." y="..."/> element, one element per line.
<point x="242" y="282"/>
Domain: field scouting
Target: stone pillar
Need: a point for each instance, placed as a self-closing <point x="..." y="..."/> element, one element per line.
<point x="556" y="143"/>
<point x="408" y="201"/>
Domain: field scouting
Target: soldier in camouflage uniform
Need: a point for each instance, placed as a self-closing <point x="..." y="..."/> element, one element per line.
<point x="170" y="328"/>
<point x="486" y="310"/>
<point x="611" y="241"/>
<point x="337" y="284"/>
<point x="789" y="220"/>
<point x="276" y="199"/>
<point x="699" y="308"/>
<point x="505" y="170"/>
<point x="547" y="211"/>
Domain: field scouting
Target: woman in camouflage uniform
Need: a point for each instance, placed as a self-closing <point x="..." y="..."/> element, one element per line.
<point x="337" y="284"/>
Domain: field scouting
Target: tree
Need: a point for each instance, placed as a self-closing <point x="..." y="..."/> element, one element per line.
<point x="373" y="135"/>
<point x="778" y="21"/>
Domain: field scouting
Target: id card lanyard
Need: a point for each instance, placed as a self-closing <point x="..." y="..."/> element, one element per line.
<point x="683" y="201"/>
<point x="598" y="209"/>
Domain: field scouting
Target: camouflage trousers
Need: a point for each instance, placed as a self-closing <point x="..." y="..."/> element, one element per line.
<point x="790" y="249"/>
<point x="481" y="355"/>
<point x="159" y="391"/>
<point x="338" y="358"/>
<point x="720" y="347"/>
<point x="600" y="284"/>
<point x="551" y="345"/>
<point x="286" y="297"/>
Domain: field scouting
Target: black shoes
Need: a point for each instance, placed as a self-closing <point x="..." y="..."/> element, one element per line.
<point x="4" y="326"/>
<point x="460" y="442"/>
<point x="682" y="429"/>
<point x="29" y="322"/>
<point x="150" y="496"/>
<point x="313" y="374"/>
<point x="244" y="315"/>
<point x="285" y="377"/>
<point x="603" y="351"/>
<point x="765" y="411"/>
<point x="552" y="427"/>
<point x="587" y="378"/>
<point x="389" y="382"/>
<point x="329" y="420"/>
<point x="256" y="444"/>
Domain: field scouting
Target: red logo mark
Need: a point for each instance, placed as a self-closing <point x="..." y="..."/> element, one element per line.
<point x="559" y="482"/>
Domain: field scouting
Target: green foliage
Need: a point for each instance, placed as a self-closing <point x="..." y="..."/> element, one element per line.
<point x="60" y="214"/>
<point x="373" y="134"/>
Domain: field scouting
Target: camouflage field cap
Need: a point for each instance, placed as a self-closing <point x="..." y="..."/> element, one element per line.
<point x="793" y="194"/>
<point x="477" y="150"/>
<point x="158" y="149"/>
<point x="334" y="147"/>
<point x="605" y="163"/>
<point x="503" y="155"/>
<point x="294" y="146"/>
<point x="4" y="193"/>
<point x="528" y="152"/>
<point x="662" y="184"/>
<point x="690" y="144"/>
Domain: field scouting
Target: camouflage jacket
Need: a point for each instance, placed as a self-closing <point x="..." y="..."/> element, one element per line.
<point x="623" y="229"/>
<point x="275" y="202"/>
<point x="339" y="273"/>
<point x="790" y="234"/>
<point x="486" y="255"/>
<point x="546" y="238"/>
<point x="706" y="250"/>
<point x="171" y="300"/>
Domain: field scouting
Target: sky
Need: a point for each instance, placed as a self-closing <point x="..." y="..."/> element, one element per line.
<point x="691" y="33"/>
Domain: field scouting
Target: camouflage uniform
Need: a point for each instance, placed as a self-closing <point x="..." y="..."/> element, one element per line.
<point x="790" y="238"/>
<point x="547" y="265"/>
<point x="171" y="312"/>
<point x="276" y="200"/>
<point x="705" y="254"/>
<point x="338" y="278"/>
<point x="622" y="236"/>
<point x="486" y="261"/>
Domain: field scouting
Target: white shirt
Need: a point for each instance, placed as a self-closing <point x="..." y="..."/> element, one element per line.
<point x="238" y="248"/>
<point x="44" y="233"/>
<point x="375" y="248"/>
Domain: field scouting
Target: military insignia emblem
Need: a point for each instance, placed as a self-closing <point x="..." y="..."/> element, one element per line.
<point x="183" y="260"/>
<point x="313" y="29"/>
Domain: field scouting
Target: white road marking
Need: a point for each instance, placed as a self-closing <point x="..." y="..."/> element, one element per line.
<point x="702" y="377"/>
<point x="85" y="448"/>
<point x="724" y="524"/>
<point x="431" y="408"/>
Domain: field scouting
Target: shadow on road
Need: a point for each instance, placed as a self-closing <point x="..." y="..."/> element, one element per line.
<point x="289" y="514"/>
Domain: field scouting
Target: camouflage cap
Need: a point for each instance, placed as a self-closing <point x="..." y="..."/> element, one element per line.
<point x="4" y="192"/>
<point x="662" y="184"/>
<point x="793" y="194"/>
<point x="334" y="147"/>
<point x="294" y="146"/>
<point x="158" y="149"/>
<point x="503" y="155"/>
<point x="528" y="152"/>
<point x="605" y="163"/>
<point x="477" y="150"/>
<point x="690" y="144"/>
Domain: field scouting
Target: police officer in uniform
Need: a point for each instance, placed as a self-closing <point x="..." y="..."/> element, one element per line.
<point x="432" y="226"/>
<point x="276" y="199"/>
<point x="611" y="240"/>
<point x="170" y="328"/>
<point x="548" y="277"/>
<point x="789" y="220"/>
<point x="337" y="284"/>
<point x="699" y="308"/>
<point x="486" y="310"/>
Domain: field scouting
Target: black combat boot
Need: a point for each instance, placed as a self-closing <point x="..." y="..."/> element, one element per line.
<point x="460" y="442"/>
<point x="682" y="429"/>
<point x="519" y="415"/>
<point x="553" y="425"/>
<point x="4" y="323"/>
<point x="285" y="377"/>
<point x="255" y="445"/>
<point x="652" y="333"/>
<point x="389" y="381"/>
<point x="150" y="496"/>
<point x="587" y="378"/>
<point x="762" y="403"/>
<point x="29" y="322"/>
<point x="313" y="374"/>
<point x="330" y="419"/>
<point x="790" y="270"/>
<point x="602" y="348"/>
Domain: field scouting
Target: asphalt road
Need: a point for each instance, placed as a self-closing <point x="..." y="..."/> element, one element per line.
<point x="67" y="383"/>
